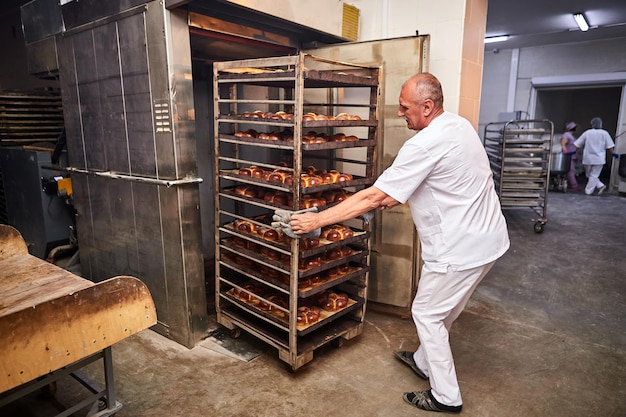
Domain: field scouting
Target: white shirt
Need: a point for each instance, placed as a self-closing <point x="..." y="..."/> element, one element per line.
<point x="596" y="142"/>
<point x="444" y="174"/>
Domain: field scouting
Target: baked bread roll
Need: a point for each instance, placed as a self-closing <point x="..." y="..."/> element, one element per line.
<point x="269" y="254"/>
<point x="308" y="315"/>
<point x="247" y="191"/>
<point x="344" y="178"/>
<point x="308" y="202"/>
<point x="304" y="283"/>
<point x="344" y="268"/>
<point x="334" y="196"/>
<point x="346" y="251"/>
<point x="247" y="293"/>
<point x="273" y="309"/>
<point x="333" y="273"/>
<point x="268" y="233"/>
<point x="332" y="301"/>
<point x="330" y="177"/>
<point x="336" y="232"/>
<point x="276" y="197"/>
<point x="307" y="180"/>
<point x="246" y="171"/>
<point x="337" y="137"/>
<point x="245" y="226"/>
<point x="274" y="136"/>
<point x="350" y="138"/>
<point x="309" y="263"/>
<point x="278" y="175"/>
<point x="250" y="133"/>
<point x="258" y="172"/>
<point x="333" y="254"/>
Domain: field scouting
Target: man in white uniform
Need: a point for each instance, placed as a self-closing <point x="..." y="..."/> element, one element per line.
<point x="596" y="142"/>
<point x="444" y="174"/>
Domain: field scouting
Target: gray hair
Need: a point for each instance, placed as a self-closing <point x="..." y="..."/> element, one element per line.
<point x="596" y="123"/>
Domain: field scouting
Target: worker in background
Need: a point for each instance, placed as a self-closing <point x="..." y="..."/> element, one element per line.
<point x="567" y="147"/>
<point x="596" y="141"/>
<point x="444" y="175"/>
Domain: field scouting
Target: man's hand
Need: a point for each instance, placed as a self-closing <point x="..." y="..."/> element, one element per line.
<point x="350" y="208"/>
<point x="304" y="223"/>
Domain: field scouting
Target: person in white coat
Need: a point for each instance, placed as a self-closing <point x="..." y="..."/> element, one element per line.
<point x="444" y="175"/>
<point x="595" y="142"/>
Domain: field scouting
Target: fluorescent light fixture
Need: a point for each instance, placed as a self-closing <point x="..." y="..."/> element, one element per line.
<point x="496" y="38"/>
<point x="581" y="21"/>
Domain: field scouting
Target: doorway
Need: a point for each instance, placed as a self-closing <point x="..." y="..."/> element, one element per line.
<point x="580" y="104"/>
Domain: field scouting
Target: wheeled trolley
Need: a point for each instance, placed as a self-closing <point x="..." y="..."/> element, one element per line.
<point x="520" y="153"/>
<point x="285" y="139"/>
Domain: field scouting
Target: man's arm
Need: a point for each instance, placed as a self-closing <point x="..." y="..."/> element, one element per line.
<point x="359" y="203"/>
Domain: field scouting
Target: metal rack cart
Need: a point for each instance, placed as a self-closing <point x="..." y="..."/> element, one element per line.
<point x="520" y="154"/>
<point x="279" y="120"/>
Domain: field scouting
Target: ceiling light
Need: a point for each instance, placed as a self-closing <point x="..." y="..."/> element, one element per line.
<point x="496" y="38"/>
<point x="581" y="21"/>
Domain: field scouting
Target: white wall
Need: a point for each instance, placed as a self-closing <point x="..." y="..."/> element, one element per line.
<point x="444" y="20"/>
<point x="598" y="57"/>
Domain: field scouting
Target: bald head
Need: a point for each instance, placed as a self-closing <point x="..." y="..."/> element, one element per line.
<point x="421" y="100"/>
<point x="425" y="86"/>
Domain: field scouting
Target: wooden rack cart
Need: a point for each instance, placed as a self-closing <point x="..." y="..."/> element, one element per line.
<point x="53" y="323"/>
<point x="296" y="117"/>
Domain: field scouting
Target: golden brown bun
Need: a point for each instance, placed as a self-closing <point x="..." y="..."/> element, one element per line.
<point x="268" y="233"/>
<point x="309" y="263"/>
<point x="245" y="226"/>
<point x="336" y="232"/>
<point x="344" y="178"/>
<point x="277" y="175"/>
<point x="247" y="293"/>
<point x="276" y="197"/>
<point x="335" y="196"/>
<point x="247" y="191"/>
<point x="338" y="137"/>
<point x="331" y="301"/>
<point x="307" y="180"/>
<point x="308" y="315"/>
<point x="308" y="202"/>
<point x="250" y="133"/>
<point x="333" y="254"/>
<point x="247" y="172"/>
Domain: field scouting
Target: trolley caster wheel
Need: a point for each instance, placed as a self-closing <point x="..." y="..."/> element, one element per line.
<point x="235" y="333"/>
<point x="539" y="227"/>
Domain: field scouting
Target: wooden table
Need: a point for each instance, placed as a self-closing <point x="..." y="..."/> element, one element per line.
<point x="53" y="322"/>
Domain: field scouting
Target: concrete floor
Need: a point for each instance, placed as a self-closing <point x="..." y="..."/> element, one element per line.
<point x="544" y="335"/>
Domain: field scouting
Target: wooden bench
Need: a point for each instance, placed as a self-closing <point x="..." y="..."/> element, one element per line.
<point x="52" y="323"/>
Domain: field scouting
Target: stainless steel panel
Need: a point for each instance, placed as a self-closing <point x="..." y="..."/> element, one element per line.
<point x="78" y="13"/>
<point x="396" y="254"/>
<point x="112" y="72"/>
<point x="41" y="57"/>
<point x="41" y="19"/>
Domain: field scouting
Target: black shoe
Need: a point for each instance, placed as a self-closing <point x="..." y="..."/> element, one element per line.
<point x="424" y="400"/>
<point x="407" y="359"/>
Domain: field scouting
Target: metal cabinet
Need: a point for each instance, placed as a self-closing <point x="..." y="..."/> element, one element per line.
<point x="519" y="152"/>
<point x="285" y="140"/>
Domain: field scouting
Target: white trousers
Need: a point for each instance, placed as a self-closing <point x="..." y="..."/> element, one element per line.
<point x="440" y="298"/>
<point x="593" y="178"/>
